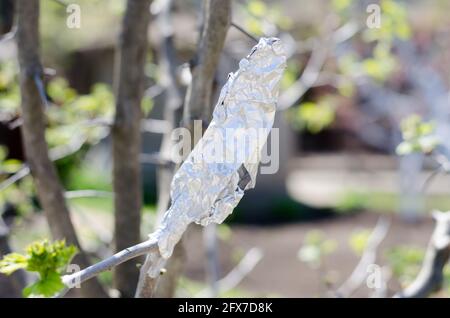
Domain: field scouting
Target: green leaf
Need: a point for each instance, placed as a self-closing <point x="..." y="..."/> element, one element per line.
<point x="12" y="262"/>
<point x="46" y="287"/>
<point x="46" y="258"/>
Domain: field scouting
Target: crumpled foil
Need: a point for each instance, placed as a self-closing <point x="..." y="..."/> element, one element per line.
<point x="223" y="164"/>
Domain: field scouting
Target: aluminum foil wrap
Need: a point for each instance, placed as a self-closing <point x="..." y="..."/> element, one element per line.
<point x="223" y="164"/>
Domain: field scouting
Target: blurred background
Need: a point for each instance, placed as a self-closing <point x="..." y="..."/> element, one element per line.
<point x="364" y="129"/>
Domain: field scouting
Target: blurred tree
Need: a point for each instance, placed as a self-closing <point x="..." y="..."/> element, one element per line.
<point x="126" y="136"/>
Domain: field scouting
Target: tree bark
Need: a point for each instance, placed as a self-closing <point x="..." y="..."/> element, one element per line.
<point x="126" y="138"/>
<point x="49" y="189"/>
<point x="216" y="19"/>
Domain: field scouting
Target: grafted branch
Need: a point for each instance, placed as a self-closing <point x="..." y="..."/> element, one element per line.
<point x="197" y="105"/>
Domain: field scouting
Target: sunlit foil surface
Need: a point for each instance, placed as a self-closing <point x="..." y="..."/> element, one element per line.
<point x="204" y="190"/>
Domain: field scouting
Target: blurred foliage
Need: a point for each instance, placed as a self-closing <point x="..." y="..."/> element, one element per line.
<point x="353" y="200"/>
<point x="358" y="241"/>
<point x="45" y="258"/>
<point x="311" y="116"/>
<point x="19" y="194"/>
<point x="8" y="165"/>
<point x="104" y="16"/>
<point x="9" y="90"/>
<point x="315" y="247"/>
<point x="259" y="19"/>
<point x="394" y="23"/>
<point x="381" y="65"/>
<point x="376" y="61"/>
<point x="224" y="232"/>
<point x="418" y="136"/>
<point x="73" y="121"/>
<point x="341" y="5"/>
<point x="190" y="288"/>
<point x="405" y="262"/>
<point x="72" y="116"/>
<point x="290" y="74"/>
<point x="88" y="177"/>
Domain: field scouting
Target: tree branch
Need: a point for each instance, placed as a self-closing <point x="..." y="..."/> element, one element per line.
<point x="319" y="55"/>
<point x="369" y="257"/>
<point x="430" y="277"/>
<point x="238" y="273"/>
<point x="73" y="280"/>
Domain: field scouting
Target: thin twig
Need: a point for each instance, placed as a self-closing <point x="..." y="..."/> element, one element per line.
<point x="430" y="178"/>
<point x="156" y="126"/>
<point x="369" y="257"/>
<point x="61" y="2"/>
<point x="240" y="29"/>
<point x="212" y="263"/>
<point x="237" y="274"/>
<point x="156" y="159"/>
<point x="316" y="62"/>
<point x="62" y="151"/>
<point x="87" y="193"/>
<point x="22" y="173"/>
<point x="443" y="166"/>
<point x="73" y="280"/>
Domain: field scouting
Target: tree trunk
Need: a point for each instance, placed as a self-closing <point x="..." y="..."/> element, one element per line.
<point x="49" y="189"/>
<point x="126" y="138"/>
<point x="216" y="19"/>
